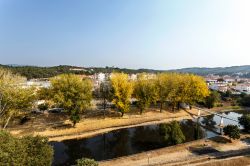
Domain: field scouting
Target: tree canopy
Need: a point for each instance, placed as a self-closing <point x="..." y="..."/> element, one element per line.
<point x="176" y="88"/>
<point x="70" y="92"/>
<point x="14" y="98"/>
<point x="172" y="132"/>
<point x="144" y="91"/>
<point x="212" y="99"/>
<point x="122" y="90"/>
<point x="30" y="151"/>
<point x="245" y="121"/>
<point x="232" y="131"/>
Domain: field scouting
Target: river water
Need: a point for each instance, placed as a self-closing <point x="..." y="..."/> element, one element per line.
<point x="129" y="141"/>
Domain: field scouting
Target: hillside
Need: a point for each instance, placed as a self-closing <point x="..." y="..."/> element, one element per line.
<point x="46" y="72"/>
<point x="234" y="70"/>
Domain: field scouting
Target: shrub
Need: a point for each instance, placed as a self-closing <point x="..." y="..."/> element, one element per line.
<point x="212" y="99"/>
<point x="86" y="162"/>
<point x="43" y="107"/>
<point x="172" y="133"/>
<point x="245" y="122"/>
<point x="30" y="151"/>
<point x="232" y="131"/>
<point x="245" y="100"/>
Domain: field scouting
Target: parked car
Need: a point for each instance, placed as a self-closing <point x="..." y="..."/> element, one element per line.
<point x="36" y="112"/>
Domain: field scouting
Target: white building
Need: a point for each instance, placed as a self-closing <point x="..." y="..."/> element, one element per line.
<point x="219" y="87"/>
<point x="36" y="83"/>
<point x="243" y="88"/>
<point x="101" y="77"/>
<point x="133" y="77"/>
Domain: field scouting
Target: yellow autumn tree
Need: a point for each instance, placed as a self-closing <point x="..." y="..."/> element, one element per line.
<point x="70" y="92"/>
<point x="177" y="88"/>
<point x="197" y="89"/>
<point x="144" y="91"/>
<point x="122" y="89"/>
<point x="163" y="87"/>
<point x="15" y="98"/>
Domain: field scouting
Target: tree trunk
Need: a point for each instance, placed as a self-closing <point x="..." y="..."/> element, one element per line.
<point x="161" y="106"/>
<point x="173" y="108"/>
<point x="104" y="113"/>
<point x="178" y="106"/>
<point x="122" y="113"/>
<point x="7" y="122"/>
<point x="104" y="107"/>
<point x="141" y="111"/>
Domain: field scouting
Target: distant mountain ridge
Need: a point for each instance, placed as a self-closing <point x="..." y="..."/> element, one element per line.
<point x="45" y="72"/>
<point x="233" y="70"/>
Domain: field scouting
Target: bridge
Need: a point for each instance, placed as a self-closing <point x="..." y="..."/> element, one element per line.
<point x="221" y="125"/>
<point x="211" y="112"/>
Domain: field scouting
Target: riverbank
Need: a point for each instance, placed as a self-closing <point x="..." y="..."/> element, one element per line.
<point x="59" y="131"/>
<point x="187" y="154"/>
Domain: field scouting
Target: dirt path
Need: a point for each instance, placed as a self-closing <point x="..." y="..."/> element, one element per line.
<point x="181" y="154"/>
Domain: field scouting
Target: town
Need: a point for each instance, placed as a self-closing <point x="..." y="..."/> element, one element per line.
<point x="124" y="83"/>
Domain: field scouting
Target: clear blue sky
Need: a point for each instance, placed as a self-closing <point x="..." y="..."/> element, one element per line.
<point x="158" y="34"/>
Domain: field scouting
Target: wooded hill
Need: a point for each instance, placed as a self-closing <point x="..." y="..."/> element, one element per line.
<point x="46" y="72"/>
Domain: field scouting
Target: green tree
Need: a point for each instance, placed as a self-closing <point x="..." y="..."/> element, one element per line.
<point x="232" y="131"/>
<point x="144" y="92"/>
<point x="86" y="162"/>
<point x="172" y="133"/>
<point x="14" y="98"/>
<point x="122" y="90"/>
<point x="212" y="99"/>
<point x="245" y="121"/>
<point x="245" y="100"/>
<point x="71" y="93"/>
<point x="30" y="151"/>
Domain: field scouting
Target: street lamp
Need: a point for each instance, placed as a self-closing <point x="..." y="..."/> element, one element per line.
<point x="148" y="154"/>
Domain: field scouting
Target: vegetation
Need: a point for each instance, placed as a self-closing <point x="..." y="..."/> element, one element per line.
<point x="245" y="121"/>
<point x="122" y="90"/>
<point x="232" y="131"/>
<point x="31" y="151"/>
<point x="172" y="88"/>
<point x="103" y="92"/>
<point x="144" y="92"/>
<point x="244" y="100"/>
<point x="31" y="72"/>
<point x="180" y="88"/>
<point x="212" y="99"/>
<point x="172" y="133"/>
<point x="47" y="72"/>
<point x="163" y="86"/>
<point x="217" y="70"/>
<point x="13" y="97"/>
<point x="86" y="162"/>
<point x="43" y="107"/>
<point x="70" y="92"/>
